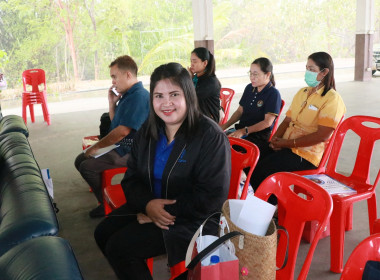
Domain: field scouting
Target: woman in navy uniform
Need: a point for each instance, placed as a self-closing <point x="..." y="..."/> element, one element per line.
<point x="259" y="106"/>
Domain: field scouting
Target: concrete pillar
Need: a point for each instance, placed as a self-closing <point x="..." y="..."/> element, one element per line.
<point x="364" y="39"/>
<point x="203" y="24"/>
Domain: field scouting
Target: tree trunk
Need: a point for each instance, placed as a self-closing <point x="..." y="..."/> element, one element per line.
<point x="64" y="16"/>
<point x="91" y="13"/>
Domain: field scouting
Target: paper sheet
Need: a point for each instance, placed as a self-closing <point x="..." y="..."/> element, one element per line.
<point x="103" y="151"/>
<point x="330" y="185"/>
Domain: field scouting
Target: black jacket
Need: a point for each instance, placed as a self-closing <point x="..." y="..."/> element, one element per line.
<point x="197" y="175"/>
<point x="208" y="93"/>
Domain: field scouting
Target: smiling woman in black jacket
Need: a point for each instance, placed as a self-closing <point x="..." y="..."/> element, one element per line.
<point x="178" y="174"/>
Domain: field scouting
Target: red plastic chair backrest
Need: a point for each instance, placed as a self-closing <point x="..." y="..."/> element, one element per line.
<point x="293" y="212"/>
<point x="226" y="95"/>
<point x="368" y="136"/>
<point x="276" y="120"/>
<point x="367" y="250"/>
<point x="33" y="77"/>
<point x="244" y="154"/>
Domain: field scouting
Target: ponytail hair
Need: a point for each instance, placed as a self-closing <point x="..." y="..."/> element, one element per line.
<point x="205" y="54"/>
<point x="266" y="66"/>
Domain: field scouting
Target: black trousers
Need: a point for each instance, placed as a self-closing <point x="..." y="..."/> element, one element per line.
<point x="127" y="244"/>
<point x="272" y="161"/>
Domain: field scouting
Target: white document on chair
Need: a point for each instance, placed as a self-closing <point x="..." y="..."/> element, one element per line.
<point x="103" y="151"/>
<point x="330" y="185"/>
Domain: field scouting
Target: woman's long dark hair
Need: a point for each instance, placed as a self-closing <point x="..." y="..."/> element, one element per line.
<point x="205" y="54"/>
<point x="325" y="61"/>
<point x="180" y="77"/>
<point x="266" y="66"/>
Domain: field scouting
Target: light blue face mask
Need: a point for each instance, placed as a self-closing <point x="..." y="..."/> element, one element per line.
<point x="311" y="78"/>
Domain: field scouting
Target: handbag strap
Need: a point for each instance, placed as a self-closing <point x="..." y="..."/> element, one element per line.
<point x="287" y="247"/>
<point x="192" y="263"/>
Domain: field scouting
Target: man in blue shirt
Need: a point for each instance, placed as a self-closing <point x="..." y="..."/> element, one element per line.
<point x="128" y="110"/>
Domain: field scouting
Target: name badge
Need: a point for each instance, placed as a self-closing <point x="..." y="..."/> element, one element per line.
<point x="312" y="107"/>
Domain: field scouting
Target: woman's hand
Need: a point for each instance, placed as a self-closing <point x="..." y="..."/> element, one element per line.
<point x="143" y="219"/>
<point x="238" y="133"/>
<point x="279" y="143"/>
<point x="156" y="212"/>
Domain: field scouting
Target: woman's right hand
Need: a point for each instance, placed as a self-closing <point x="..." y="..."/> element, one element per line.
<point x="156" y="212"/>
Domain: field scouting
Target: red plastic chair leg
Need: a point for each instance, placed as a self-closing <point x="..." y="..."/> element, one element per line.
<point x="376" y="226"/>
<point x="149" y="263"/>
<point x="177" y="270"/>
<point x="24" y="112"/>
<point x="372" y="212"/>
<point x="31" y="110"/>
<point x="45" y="111"/>
<point x="337" y="232"/>
<point x="349" y="218"/>
<point x="107" y="208"/>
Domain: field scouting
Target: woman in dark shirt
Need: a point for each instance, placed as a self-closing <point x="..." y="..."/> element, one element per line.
<point x="258" y="107"/>
<point x="207" y="85"/>
<point x="178" y="174"/>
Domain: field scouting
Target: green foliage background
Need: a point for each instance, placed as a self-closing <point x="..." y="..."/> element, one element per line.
<point x="153" y="32"/>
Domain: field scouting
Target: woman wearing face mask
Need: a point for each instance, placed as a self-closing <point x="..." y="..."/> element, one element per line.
<point x="315" y="112"/>
<point x="207" y="85"/>
<point x="258" y="107"/>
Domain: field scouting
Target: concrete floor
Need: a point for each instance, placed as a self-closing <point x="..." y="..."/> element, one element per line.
<point x="57" y="145"/>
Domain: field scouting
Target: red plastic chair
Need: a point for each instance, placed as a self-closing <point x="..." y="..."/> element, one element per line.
<point x="88" y="139"/>
<point x="243" y="154"/>
<point x="113" y="195"/>
<point x="293" y="212"/>
<point x="276" y="120"/>
<point x="367" y="250"/>
<point x="226" y="95"/>
<point x="359" y="180"/>
<point x="34" y="78"/>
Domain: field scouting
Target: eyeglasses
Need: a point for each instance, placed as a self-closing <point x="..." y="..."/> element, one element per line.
<point x="253" y="74"/>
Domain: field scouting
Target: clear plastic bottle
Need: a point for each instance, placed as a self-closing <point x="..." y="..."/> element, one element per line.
<point x="214" y="259"/>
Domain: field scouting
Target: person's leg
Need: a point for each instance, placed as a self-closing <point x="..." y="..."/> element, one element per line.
<point x="283" y="160"/>
<point x="128" y="249"/>
<point x="116" y="220"/>
<point x="91" y="169"/>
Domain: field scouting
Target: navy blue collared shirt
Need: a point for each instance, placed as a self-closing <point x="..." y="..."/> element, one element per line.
<point x="257" y="104"/>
